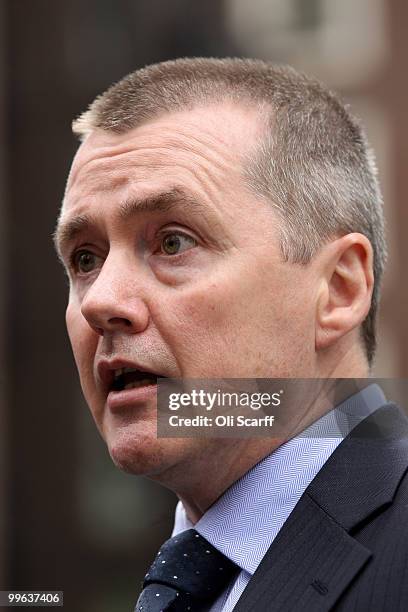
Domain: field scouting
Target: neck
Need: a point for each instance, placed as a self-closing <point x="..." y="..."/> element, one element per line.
<point x="223" y="461"/>
<point x="222" y="469"/>
<point x="346" y="359"/>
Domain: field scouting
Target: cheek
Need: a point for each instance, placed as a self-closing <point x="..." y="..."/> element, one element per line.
<point x="212" y="329"/>
<point x="246" y="324"/>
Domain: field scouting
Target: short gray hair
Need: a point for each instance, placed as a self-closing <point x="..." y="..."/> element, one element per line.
<point x="314" y="163"/>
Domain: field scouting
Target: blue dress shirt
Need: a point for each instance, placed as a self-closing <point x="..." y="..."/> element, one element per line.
<point x="245" y="520"/>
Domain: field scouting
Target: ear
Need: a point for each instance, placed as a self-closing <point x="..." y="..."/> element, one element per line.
<point x="346" y="288"/>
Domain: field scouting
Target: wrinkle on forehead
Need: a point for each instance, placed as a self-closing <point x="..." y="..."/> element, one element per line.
<point x="208" y="143"/>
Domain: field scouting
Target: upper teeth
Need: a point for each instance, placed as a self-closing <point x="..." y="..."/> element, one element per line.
<point x="121" y="371"/>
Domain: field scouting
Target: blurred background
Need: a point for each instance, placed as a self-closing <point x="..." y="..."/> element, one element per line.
<point x="68" y="519"/>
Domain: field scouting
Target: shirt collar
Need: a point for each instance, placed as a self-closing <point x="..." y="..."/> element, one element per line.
<point x="245" y="520"/>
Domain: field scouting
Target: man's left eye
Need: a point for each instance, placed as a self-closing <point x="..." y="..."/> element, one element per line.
<point x="175" y="243"/>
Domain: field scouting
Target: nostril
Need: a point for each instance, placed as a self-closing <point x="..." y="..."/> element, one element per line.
<point x="120" y="321"/>
<point x="114" y="314"/>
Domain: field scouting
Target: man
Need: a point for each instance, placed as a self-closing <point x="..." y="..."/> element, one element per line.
<point x="222" y="219"/>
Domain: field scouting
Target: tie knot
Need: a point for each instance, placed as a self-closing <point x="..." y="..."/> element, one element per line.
<point x="188" y="569"/>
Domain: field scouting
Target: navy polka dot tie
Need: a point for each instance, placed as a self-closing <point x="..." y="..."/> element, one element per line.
<point x="187" y="575"/>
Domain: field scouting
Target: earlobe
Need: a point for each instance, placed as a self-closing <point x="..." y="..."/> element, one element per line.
<point x="347" y="283"/>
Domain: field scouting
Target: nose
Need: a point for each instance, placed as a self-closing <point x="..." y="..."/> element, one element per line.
<point x="114" y="302"/>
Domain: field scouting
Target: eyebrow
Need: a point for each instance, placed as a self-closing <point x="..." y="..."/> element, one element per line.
<point x="66" y="231"/>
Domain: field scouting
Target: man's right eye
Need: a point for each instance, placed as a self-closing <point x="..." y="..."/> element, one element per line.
<point x="85" y="262"/>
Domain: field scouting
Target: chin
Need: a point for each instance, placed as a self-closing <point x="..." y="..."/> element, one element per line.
<point x="133" y="452"/>
<point x="144" y="454"/>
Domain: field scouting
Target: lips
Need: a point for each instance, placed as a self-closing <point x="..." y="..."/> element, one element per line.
<point x="126" y="385"/>
<point x="119" y="375"/>
<point x="132" y="378"/>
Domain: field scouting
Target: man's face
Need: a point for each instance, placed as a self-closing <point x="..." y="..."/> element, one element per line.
<point x="175" y="270"/>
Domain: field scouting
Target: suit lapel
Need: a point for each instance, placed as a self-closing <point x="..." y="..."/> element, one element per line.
<point x="315" y="557"/>
<point x="310" y="563"/>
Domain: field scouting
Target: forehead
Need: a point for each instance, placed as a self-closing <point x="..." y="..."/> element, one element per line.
<point x="201" y="148"/>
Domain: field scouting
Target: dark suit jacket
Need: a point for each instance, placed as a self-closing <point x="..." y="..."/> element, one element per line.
<point x="345" y="545"/>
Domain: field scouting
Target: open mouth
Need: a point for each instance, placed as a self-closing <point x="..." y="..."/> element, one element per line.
<point x="131" y="378"/>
